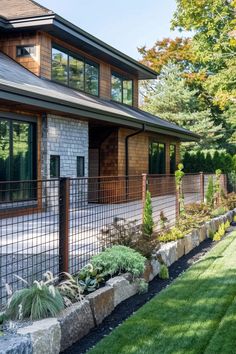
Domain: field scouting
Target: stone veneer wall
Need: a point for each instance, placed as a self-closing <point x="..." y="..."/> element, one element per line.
<point x="67" y="138"/>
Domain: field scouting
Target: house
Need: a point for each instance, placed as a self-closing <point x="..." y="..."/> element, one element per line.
<point x="69" y="105"/>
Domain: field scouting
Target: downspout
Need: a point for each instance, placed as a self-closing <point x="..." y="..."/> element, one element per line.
<point x="142" y="130"/>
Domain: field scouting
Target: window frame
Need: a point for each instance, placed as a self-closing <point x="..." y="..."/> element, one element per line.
<point x="122" y="78"/>
<point x="149" y="165"/>
<point x="22" y="46"/>
<point x="58" y="168"/>
<point x="12" y="119"/>
<point x="77" y="165"/>
<point x="78" y="57"/>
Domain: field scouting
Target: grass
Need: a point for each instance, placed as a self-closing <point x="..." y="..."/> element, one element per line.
<point x="195" y="314"/>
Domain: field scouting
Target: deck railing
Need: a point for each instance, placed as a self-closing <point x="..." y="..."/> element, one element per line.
<point x="59" y="224"/>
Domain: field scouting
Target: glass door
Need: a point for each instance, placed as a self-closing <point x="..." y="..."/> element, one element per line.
<point x="17" y="160"/>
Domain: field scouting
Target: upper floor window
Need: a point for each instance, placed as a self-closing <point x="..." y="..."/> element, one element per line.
<point x="121" y="89"/>
<point x="157" y="158"/>
<point x="25" y="51"/>
<point x="75" y="72"/>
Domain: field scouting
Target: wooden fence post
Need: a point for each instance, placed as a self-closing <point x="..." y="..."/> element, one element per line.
<point x="64" y="224"/>
<point x="202" y="192"/>
<point x="144" y="191"/>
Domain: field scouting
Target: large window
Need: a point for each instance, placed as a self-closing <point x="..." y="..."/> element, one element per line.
<point x="157" y="158"/>
<point x="121" y="89"/>
<point x="17" y="159"/>
<point x="74" y="71"/>
<point x="172" y="158"/>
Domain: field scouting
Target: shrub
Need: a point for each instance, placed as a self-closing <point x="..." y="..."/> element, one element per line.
<point x="89" y="278"/>
<point x="227" y="225"/>
<point x="40" y="300"/>
<point x="119" y="259"/>
<point x="230" y="201"/>
<point x="171" y="235"/>
<point x="164" y="272"/>
<point x="148" y="222"/>
<point x="210" y="192"/>
<point x="142" y="286"/>
<point x="220" y="233"/>
<point x="179" y="174"/>
<point x="219" y="211"/>
<point x="234" y="218"/>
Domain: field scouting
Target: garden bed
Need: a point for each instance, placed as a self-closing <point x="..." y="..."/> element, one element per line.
<point x="56" y="334"/>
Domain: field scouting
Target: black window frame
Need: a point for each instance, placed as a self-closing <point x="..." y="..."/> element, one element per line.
<point x="23" y="47"/>
<point x="122" y="78"/>
<point x="58" y="172"/>
<point x="80" y="158"/>
<point x="150" y="167"/>
<point x="78" y="57"/>
<point x="18" y="185"/>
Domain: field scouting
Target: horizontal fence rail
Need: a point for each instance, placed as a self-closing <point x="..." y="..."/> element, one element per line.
<point x="59" y="224"/>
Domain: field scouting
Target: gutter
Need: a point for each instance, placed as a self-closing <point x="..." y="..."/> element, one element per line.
<point x="142" y="130"/>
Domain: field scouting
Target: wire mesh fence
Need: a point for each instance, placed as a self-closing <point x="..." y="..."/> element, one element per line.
<point x="59" y="224"/>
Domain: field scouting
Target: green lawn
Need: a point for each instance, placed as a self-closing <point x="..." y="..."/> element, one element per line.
<point x="196" y="314"/>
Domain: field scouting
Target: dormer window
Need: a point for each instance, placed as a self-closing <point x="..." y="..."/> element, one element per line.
<point x="121" y="89"/>
<point x="25" y="51"/>
<point x="75" y="71"/>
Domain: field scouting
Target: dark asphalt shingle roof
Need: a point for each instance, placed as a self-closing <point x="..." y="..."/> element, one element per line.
<point x="14" y="76"/>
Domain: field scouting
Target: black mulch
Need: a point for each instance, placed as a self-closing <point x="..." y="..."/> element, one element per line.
<point x="128" y="307"/>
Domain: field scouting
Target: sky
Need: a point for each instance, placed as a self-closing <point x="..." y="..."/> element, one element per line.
<point x="124" y="24"/>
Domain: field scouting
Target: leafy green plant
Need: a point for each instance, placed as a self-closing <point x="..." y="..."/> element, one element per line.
<point x="148" y="222"/>
<point x="179" y="175"/>
<point x="142" y="286"/>
<point x="40" y="300"/>
<point x="220" y="233"/>
<point x="89" y="278"/>
<point x="219" y="211"/>
<point x="234" y="219"/>
<point x="171" y="235"/>
<point x="210" y="192"/>
<point x="164" y="272"/>
<point x="119" y="259"/>
<point x="227" y="225"/>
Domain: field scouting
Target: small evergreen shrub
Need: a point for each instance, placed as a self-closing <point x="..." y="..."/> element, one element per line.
<point x="227" y="225"/>
<point x="210" y="192"/>
<point x="164" y="272"/>
<point x="220" y="233"/>
<point x="148" y="222"/>
<point x="219" y="211"/>
<point x="179" y="175"/>
<point x="171" y="235"/>
<point x="119" y="259"/>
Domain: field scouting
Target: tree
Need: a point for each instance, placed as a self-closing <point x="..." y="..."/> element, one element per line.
<point x="171" y="98"/>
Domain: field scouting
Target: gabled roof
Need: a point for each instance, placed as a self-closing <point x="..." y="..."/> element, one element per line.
<point x="27" y="14"/>
<point x="17" y="84"/>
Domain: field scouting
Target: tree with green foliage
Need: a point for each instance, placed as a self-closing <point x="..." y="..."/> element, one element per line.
<point x="148" y="222"/>
<point x="171" y="98"/>
<point x="207" y="62"/>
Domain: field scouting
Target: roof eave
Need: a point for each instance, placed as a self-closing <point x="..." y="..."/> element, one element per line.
<point x="57" y="25"/>
<point x="49" y="103"/>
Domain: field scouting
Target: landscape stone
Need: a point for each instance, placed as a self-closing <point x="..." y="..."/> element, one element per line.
<point x="15" y="344"/>
<point x="45" y="336"/>
<point x="102" y="303"/>
<point x="156" y="268"/>
<point x="123" y="289"/>
<point x="148" y="271"/>
<point x="202" y="233"/>
<point x="75" y="322"/>
<point x="188" y="243"/>
<point x="167" y="253"/>
<point x="180" y="248"/>
<point x="195" y="238"/>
